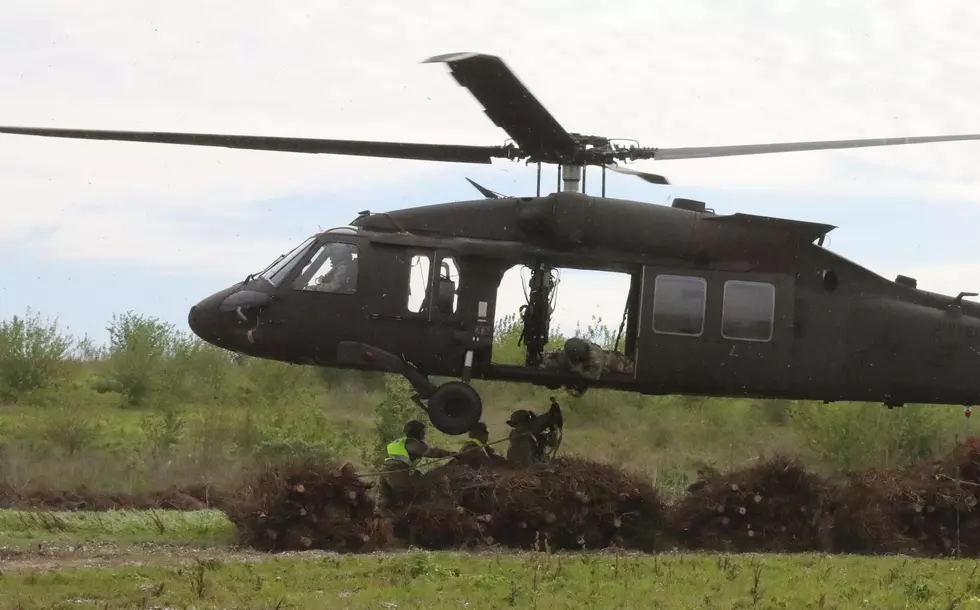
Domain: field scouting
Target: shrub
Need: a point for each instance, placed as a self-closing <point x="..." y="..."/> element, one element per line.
<point x="33" y="355"/>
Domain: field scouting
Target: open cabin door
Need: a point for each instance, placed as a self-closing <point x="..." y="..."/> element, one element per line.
<point x="707" y="331"/>
<point x="414" y="305"/>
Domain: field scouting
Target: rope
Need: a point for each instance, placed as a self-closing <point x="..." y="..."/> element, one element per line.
<point x="449" y="457"/>
<point x="436" y="460"/>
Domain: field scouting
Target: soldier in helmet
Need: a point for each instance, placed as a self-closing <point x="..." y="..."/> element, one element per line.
<point x="528" y="439"/>
<point x="342" y="276"/>
<point x="399" y="467"/>
<point x="475" y="452"/>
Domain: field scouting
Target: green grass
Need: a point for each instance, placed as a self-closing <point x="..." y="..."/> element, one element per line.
<point x="451" y="580"/>
<point x="22" y="529"/>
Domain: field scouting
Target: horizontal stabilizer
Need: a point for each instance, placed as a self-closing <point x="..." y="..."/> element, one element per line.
<point x="797" y="229"/>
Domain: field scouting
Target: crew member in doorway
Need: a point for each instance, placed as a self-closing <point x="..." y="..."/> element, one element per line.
<point x="399" y="471"/>
<point x="532" y="434"/>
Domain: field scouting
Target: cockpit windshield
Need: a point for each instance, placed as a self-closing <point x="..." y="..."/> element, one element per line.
<point x="281" y="267"/>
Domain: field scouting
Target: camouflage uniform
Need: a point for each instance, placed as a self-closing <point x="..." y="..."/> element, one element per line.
<point x="526" y="442"/>
<point x="474" y="452"/>
<point x="587" y="359"/>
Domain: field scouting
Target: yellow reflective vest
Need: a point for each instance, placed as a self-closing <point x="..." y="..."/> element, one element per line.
<point x="398" y="452"/>
<point x="476" y="442"/>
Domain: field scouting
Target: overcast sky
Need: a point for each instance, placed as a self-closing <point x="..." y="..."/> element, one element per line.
<point x="93" y="228"/>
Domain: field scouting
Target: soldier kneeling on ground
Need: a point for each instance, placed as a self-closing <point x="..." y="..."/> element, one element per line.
<point x="475" y="453"/>
<point x="532" y="434"/>
<point x="399" y="472"/>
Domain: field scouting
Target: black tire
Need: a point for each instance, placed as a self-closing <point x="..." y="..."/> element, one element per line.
<point x="454" y="408"/>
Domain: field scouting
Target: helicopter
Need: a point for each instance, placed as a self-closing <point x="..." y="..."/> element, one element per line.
<point x="721" y="305"/>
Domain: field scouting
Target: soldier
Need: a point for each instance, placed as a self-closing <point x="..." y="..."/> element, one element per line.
<point x="529" y="437"/>
<point x="342" y="276"/>
<point x="400" y="473"/>
<point x="475" y="453"/>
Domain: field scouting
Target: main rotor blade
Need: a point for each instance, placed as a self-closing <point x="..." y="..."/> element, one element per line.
<point x="760" y="149"/>
<point x="396" y="150"/>
<point x="509" y="104"/>
<point x="651" y="178"/>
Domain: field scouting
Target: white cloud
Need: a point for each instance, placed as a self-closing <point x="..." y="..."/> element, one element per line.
<point x="667" y="73"/>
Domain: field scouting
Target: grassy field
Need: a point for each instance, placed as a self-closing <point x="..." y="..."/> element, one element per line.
<point x="416" y="579"/>
<point x="168" y="559"/>
<point x="26" y="529"/>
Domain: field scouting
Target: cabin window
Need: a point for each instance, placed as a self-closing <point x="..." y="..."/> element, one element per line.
<point x="332" y="269"/>
<point x="418" y="282"/>
<point x="447" y="290"/>
<point x="749" y="311"/>
<point x="678" y="305"/>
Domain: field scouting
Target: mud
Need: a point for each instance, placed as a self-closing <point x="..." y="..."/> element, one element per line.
<point x="927" y="509"/>
<point x="566" y="504"/>
<point x="773" y="506"/>
<point x="83" y="498"/>
<point x="306" y="505"/>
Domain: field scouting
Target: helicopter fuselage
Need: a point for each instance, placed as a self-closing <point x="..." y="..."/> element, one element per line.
<point x="737" y="305"/>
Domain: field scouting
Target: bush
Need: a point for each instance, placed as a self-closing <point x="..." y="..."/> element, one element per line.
<point x="33" y="355"/>
<point x="137" y="348"/>
<point x="392" y="413"/>
<point x="846" y="437"/>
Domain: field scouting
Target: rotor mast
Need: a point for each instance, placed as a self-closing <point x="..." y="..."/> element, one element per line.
<point x="571" y="177"/>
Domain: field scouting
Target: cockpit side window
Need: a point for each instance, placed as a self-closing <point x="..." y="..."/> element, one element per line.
<point x="332" y="268"/>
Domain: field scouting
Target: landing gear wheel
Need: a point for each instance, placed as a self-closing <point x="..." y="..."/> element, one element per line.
<point x="454" y="408"/>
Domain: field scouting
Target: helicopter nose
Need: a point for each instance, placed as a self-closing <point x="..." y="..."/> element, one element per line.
<point x="214" y="319"/>
<point x="204" y="319"/>
<point x="197" y="320"/>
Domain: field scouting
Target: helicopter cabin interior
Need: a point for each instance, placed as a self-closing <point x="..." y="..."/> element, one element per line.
<point x="677" y="325"/>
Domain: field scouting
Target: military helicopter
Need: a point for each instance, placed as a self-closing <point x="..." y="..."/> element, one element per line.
<point x="735" y="305"/>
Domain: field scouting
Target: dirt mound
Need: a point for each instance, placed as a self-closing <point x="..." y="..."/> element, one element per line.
<point x="566" y="504"/>
<point x="774" y="506"/>
<point x="307" y="505"/>
<point x="83" y="498"/>
<point x="926" y="509"/>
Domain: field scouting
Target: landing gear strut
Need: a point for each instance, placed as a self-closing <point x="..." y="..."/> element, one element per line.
<point x="453" y="407"/>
